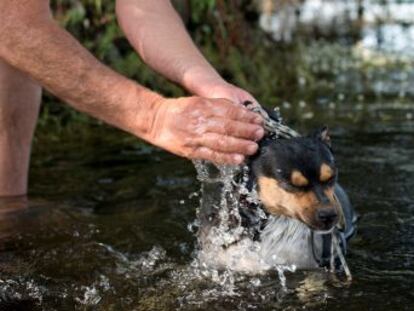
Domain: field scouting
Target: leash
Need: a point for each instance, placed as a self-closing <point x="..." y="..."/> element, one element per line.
<point x="334" y="243"/>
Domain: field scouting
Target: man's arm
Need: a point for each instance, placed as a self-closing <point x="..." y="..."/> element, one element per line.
<point x="32" y="42"/>
<point x="158" y="34"/>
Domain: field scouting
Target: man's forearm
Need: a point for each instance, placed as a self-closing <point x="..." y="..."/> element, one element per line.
<point x="35" y="44"/>
<point x="194" y="127"/>
<point x="156" y="31"/>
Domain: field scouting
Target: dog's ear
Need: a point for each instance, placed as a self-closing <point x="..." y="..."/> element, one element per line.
<point x="323" y="135"/>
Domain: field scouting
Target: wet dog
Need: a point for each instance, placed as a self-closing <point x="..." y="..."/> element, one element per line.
<point x="300" y="209"/>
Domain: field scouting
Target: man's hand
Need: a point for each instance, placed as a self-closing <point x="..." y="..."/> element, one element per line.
<point x="225" y="90"/>
<point x="217" y="130"/>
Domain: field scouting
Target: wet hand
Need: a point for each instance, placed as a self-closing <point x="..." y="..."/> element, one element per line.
<point x="217" y="130"/>
<point x="227" y="91"/>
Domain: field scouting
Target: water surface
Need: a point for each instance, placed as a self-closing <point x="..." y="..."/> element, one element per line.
<point x="106" y="224"/>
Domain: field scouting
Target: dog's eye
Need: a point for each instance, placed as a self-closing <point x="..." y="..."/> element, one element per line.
<point x="303" y="188"/>
<point x="295" y="188"/>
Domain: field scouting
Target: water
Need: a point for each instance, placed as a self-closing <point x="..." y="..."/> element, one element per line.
<point x="106" y="227"/>
<point x="106" y="224"/>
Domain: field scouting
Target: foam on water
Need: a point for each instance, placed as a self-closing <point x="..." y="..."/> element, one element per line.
<point x="91" y="296"/>
<point x="21" y="289"/>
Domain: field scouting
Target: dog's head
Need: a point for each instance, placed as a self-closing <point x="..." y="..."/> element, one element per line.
<point x="296" y="178"/>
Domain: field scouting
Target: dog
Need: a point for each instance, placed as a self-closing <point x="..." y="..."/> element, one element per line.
<point x="299" y="212"/>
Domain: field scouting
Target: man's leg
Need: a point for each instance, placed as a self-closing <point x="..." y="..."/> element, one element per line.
<point x="19" y="107"/>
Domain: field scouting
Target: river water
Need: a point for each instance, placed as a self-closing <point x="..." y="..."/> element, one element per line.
<point x="108" y="222"/>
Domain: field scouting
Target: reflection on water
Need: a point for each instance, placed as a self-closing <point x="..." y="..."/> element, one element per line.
<point x="106" y="223"/>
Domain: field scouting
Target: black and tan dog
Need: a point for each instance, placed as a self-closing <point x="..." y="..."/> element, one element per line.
<point x="297" y="178"/>
<point x="301" y="208"/>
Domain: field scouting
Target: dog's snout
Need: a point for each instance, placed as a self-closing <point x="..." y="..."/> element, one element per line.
<point x="327" y="216"/>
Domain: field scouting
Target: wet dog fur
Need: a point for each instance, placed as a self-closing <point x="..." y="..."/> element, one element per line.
<point x="296" y="182"/>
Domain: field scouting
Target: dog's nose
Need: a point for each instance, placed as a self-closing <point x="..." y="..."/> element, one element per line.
<point x="327" y="216"/>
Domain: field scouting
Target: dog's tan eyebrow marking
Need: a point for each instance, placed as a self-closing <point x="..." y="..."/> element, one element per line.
<point x="270" y="193"/>
<point x="326" y="172"/>
<point x="268" y="186"/>
<point x="297" y="179"/>
<point x="277" y="201"/>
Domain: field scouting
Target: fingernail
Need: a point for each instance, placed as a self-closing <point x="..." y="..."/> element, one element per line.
<point x="258" y="120"/>
<point x="259" y="134"/>
<point x="238" y="158"/>
<point x="252" y="149"/>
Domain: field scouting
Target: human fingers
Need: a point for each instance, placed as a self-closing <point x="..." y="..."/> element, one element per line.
<point x="204" y="153"/>
<point x="243" y="96"/>
<point x="227" y="144"/>
<point x="230" y="110"/>
<point x="235" y="128"/>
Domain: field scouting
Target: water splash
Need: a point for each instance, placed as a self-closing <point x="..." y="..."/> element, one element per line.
<point x="144" y="264"/>
<point x="20" y="289"/>
<point x="90" y="297"/>
<point x="242" y="253"/>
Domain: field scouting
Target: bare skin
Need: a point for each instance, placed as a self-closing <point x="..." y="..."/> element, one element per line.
<point x="37" y="49"/>
<point x="168" y="49"/>
<point x="19" y="106"/>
